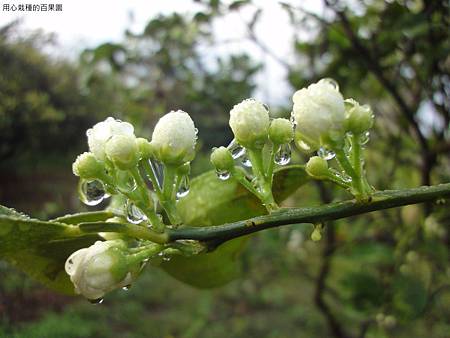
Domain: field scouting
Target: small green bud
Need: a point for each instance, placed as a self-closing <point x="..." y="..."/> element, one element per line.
<point x="221" y="159"/>
<point x="88" y="167"/>
<point x="123" y="151"/>
<point x="358" y="119"/>
<point x="249" y="121"/>
<point x="145" y="147"/>
<point x="317" y="167"/>
<point x="316" y="235"/>
<point x="281" y="131"/>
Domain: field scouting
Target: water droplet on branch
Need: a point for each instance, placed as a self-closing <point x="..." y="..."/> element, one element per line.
<point x="158" y="171"/>
<point x="96" y="301"/>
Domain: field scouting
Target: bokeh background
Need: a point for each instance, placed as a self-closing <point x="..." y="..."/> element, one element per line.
<point x="385" y="274"/>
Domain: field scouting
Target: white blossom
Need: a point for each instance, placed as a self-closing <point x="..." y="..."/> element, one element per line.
<point x="319" y="113"/>
<point x="102" y="132"/>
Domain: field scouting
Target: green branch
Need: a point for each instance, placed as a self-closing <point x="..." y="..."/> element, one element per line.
<point x="380" y="200"/>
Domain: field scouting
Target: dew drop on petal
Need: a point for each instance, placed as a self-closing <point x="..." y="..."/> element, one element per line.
<point x="331" y="82"/>
<point x="223" y="174"/>
<point x="283" y="155"/>
<point x="326" y="154"/>
<point x="183" y="190"/>
<point x="245" y="161"/>
<point x="92" y="192"/>
<point x="134" y="214"/>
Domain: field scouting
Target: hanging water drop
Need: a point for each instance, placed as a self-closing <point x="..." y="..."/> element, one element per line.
<point x="245" y="161"/>
<point x="183" y="190"/>
<point x="365" y="138"/>
<point x="92" y="192"/>
<point x="223" y="175"/>
<point x="126" y="287"/>
<point x="283" y="155"/>
<point x="134" y="214"/>
<point x="236" y="149"/>
<point x="331" y="82"/>
<point x="326" y="154"/>
<point x="96" y="301"/>
<point x="158" y="171"/>
<point x="125" y="181"/>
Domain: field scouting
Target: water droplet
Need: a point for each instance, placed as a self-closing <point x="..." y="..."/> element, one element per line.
<point x="245" y="161"/>
<point x="158" y="171"/>
<point x="331" y="82"/>
<point x="223" y="174"/>
<point x="134" y="214"/>
<point x="96" y="301"/>
<point x="183" y="190"/>
<point x="236" y="149"/>
<point x="125" y="181"/>
<point x="283" y="155"/>
<point x="343" y="176"/>
<point x="365" y="138"/>
<point x="326" y="154"/>
<point x="126" y="287"/>
<point x="92" y="192"/>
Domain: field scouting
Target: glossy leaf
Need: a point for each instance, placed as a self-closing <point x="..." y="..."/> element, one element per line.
<point x="39" y="248"/>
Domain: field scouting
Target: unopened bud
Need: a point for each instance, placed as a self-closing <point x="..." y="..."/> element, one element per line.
<point x="123" y="151"/>
<point x="222" y="159"/>
<point x="281" y="131"/>
<point x="88" y="167"/>
<point x="359" y="118"/>
<point x="249" y="121"/>
<point x="317" y="167"/>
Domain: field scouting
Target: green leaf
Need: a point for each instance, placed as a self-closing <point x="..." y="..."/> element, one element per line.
<point x="214" y="202"/>
<point x="410" y="297"/>
<point x="39" y="248"/>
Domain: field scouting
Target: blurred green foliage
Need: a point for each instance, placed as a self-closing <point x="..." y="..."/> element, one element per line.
<point x="384" y="274"/>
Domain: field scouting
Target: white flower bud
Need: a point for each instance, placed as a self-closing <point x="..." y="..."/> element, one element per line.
<point x="123" y="151"/>
<point x="99" y="269"/>
<point x="88" y="167"/>
<point x="249" y="121"/>
<point x="174" y="138"/>
<point x="99" y="134"/>
<point x="319" y="113"/>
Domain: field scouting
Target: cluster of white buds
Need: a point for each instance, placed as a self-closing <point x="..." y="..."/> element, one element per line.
<point x="334" y="127"/>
